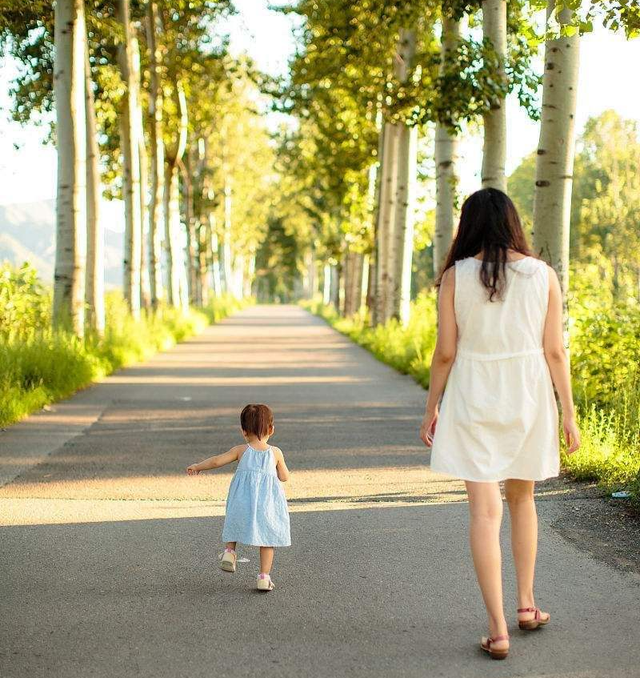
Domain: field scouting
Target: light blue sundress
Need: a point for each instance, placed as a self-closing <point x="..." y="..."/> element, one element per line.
<point x="257" y="513"/>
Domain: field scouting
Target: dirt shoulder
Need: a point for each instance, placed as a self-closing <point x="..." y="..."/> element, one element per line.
<point x="606" y="528"/>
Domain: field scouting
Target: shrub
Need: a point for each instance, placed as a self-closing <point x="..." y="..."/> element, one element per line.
<point x="39" y="366"/>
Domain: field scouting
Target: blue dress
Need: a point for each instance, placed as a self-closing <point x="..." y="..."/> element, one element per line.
<point x="257" y="512"/>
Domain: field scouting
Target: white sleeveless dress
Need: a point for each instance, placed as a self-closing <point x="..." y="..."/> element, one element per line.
<point x="498" y="417"/>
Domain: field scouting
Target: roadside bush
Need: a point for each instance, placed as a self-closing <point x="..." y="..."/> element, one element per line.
<point x="605" y="365"/>
<point x="39" y="366"/>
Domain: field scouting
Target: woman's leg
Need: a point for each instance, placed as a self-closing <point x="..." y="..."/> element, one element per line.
<point x="266" y="559"/>
<point x="524" y="538"/>
<point x="231" y="545"/>
<point x="485" y="506"/>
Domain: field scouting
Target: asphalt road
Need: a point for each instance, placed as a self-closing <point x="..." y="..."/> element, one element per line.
<point x="108" y="551"/>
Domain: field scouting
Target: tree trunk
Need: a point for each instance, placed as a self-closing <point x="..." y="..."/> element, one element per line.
<point x="131" y="164"/>
<point x="326" y="284"/>
<point x="94" y="288"/>
<point x="137" y="120"/>
<point x="172" y="232"/>
<point x="398" y="296"/>
<point x="204" y="262"/>
<point x="494" y="152"/>
<point x="187" y="199"/>
<point x="556" y="149"/>
<point x="374" y="193"/>
<point x="68" y="291"/>
<point x="347" y="277"/>
<point x="404" y="222"/>
<point x="156" y="159"/>
<point x="145" y="280"/>
<point x="446" y="146"/>
<point x="226" y="243"/>
<point x="173" y="156"/>
<point x="384" y="229"/>
<point x="215" y="253"/>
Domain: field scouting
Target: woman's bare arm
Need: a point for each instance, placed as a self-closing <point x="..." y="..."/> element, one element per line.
<point x="443" y="355"/>
<point x="445" y="351"/>
<point x="556" y="356"/>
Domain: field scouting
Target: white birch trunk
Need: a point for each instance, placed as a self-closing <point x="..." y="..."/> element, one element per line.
<point x="94" y="287"/>
<point x="187" y="199"/>
<point x="446" y="156"/>
<point x="156" y="160"/>
<point x="68" y="79"/>
<point x="364" y="280"/>
<point x="173" y="155"/>
<point x="215" y="253"/>
<point x="494" y="152"/>
<point x="384" y="230"/>
<point x="326" y="285"/>
<point x="249" y="275"/>
<point x="346" y="307"/>
<point x="375" y="221"/>
<point x="131" y="165"/>
<point x="226" y="245"/>
<point x="145" y="283"/>
<point x="404" y="222"/>
<point x="556" y="150"/>
<point x="172" y="233"/>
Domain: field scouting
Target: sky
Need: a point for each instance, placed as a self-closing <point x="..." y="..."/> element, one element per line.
<point x="28" y="169"/>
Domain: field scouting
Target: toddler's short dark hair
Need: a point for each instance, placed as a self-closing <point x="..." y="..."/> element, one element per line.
<point x="257" y="420"/>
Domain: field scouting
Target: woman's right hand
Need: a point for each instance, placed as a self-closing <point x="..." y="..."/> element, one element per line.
<point x="571" y="433"/>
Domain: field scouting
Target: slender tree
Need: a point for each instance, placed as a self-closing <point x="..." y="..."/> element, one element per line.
<point x="156" y="160"/>
<point x="131" y="163"/>
<point x="556" y="148"/>
<point x="446" y="148"/>
<point x="494" y="153"/>
<point x="94" y="290"/>
<point x="400" y="296"/>
<point x="69" y="79"/>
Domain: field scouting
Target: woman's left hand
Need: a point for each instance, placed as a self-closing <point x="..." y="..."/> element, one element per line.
<point x="428" y="428"/>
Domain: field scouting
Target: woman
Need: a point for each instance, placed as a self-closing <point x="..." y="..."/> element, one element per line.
<point x="499" y="348"/>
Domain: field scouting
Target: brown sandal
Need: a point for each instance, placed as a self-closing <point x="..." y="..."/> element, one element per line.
<point x="495" y="653"/>
<point x="536" y="622"/>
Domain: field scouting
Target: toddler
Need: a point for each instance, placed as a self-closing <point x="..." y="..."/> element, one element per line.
<point x="256" y="512"/>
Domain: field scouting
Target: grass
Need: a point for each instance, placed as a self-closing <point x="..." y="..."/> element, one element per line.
<point x="606" y="383"/>
<point x="40" y="366"/>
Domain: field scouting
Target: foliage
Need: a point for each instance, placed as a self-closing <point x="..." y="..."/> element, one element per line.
<point x="25" y="303"/>
<point x="407" y="349"/>
<point x="605" y="371"/>
<point x="39" y="366"/>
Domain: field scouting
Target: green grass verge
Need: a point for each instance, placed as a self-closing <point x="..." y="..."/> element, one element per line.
<point x="41" y="367"/>
<point x="610" y="425"/>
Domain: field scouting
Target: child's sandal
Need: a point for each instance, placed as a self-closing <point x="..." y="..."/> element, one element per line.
<point x="536" y="622"/>
<point x="264" y="583"/>
<point x="495" y="653"/>
<point x="229" y="560"/>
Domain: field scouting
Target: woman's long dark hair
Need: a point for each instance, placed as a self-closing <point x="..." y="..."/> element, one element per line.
<point x="489" y="223"/>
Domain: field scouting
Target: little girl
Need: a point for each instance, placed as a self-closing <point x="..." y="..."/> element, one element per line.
<point x="256" y="512"/>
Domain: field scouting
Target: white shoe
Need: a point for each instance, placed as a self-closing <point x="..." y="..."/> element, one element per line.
<point x="264" y="583"/>
<point x="228" y="561"/>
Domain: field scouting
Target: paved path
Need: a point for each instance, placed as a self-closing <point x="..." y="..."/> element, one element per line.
<point x="109" y="552"/>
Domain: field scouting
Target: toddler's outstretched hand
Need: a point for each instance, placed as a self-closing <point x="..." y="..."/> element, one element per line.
<point x="193" y="470"/>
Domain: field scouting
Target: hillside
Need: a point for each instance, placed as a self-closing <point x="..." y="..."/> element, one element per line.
<point x="27" y="233"/>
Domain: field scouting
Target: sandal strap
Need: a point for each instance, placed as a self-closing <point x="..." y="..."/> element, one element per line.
<point x="522" y="610"/>
<point x="496" y="639"/>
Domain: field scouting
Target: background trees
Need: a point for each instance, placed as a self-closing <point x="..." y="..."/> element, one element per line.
<point x="220" y="201"/>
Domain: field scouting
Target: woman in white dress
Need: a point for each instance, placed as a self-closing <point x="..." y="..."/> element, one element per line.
<point x="499" y="353"/>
